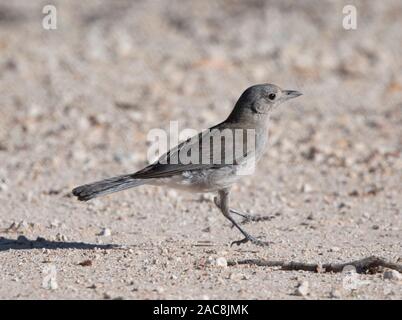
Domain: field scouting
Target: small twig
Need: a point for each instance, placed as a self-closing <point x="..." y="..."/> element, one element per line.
<point x="366" y="265"/>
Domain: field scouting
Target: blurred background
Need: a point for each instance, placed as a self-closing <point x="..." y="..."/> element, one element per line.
<point x="77" y="103"/>
<point x="88" y="92"/>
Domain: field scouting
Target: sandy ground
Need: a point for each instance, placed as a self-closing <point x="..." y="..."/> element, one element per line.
<point x="77" y="103"/>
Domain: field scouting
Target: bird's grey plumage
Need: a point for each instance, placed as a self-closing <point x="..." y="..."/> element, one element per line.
<point x="203" y="173"/>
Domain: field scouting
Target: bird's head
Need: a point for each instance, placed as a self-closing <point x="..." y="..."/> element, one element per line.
<point x="259" y="100"/>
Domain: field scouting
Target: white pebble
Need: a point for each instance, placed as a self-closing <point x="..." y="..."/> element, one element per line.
<point x="392" y="275"/>
<point x="55" y="224"/>
<point x="306" y="188"/>
<point x="160" y="290"/>
<point x="3" y="186"/>
<point x="221" y="262"/>
<point x="53" y="284"/>
<point x="337" y="294"/>
<point x="172" y="194"/>
<point x="303" y="289"/>
<point x="105" y="232"/>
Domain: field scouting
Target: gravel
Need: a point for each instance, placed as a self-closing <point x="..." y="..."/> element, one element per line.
<point x="77" y="104"/>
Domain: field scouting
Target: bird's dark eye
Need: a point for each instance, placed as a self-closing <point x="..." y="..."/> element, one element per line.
<point x="271" y="96"/>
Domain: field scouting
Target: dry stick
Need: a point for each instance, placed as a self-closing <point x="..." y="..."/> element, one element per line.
<point x="370" y="264"/>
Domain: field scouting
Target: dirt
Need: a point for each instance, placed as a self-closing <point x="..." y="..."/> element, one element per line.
<point x="77" y="103"/>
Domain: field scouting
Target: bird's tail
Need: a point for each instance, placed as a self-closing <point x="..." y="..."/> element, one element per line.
<point x="103" y="187"/>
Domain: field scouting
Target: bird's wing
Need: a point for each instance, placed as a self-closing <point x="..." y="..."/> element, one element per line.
<point x="194" y="154"/>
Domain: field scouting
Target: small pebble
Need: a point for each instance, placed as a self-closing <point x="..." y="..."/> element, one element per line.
<point x="3" y="186"/>
<point x="160" y="290"/>
<point x="86" y="263"/>
<point x="61" y="237"/>
<point x="55" y="224"/>
<point x="302" y="289"/>
<point x="237" y="276"/>
<point x="337" y="294"/>
<point x="211" y="261"/>
<point x="105" y="232"/>
<point x="392" y="275"/>
<point x="221" y="262"/>
<point x="342" y="205"/>
<point x="53" y="284"/>
<point x="306" y="188"/>
<point x="172" y="194"/>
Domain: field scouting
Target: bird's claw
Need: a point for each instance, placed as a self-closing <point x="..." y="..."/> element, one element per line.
<point x="252" y="240"/>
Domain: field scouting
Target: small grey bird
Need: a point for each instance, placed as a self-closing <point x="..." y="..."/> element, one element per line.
<point x="218" y="156"/>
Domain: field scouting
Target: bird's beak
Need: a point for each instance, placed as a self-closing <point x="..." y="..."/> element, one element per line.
<point x="290" y="94"/>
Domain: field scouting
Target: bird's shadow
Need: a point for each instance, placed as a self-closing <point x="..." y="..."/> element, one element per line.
<point x="23" y="243"/>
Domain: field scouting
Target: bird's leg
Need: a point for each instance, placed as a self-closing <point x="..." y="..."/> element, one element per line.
<point x="224" y="206"/>
<point x="246" y="216"/>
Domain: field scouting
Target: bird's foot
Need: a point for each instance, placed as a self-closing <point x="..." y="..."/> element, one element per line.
<point x="252" y="239"/>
